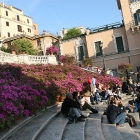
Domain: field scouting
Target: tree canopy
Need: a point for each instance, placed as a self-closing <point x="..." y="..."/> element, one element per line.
<point x="24" y="45"/>
<point x="74" y="32"/>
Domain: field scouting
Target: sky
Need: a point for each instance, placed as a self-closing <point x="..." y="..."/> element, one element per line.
<point x="54" y="15"/>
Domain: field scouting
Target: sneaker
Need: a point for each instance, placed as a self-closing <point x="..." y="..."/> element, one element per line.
<point x="121" y="125"/>
<point x="80" y="119"/>
<point x="82" y="116"/>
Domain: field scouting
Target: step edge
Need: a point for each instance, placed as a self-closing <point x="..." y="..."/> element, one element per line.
<point x="44" y="125"/>
<point x="15" y="128"/>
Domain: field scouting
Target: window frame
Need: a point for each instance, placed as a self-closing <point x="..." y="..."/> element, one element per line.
<point x="19" y="28"/>
<point x="6" y="13"/>
<point x="8" y="34"/>
<point x="28" y="21"/>
<point x="18" y="18"/>
<point x="100" y="53"/>
<point x="7" y="23"/>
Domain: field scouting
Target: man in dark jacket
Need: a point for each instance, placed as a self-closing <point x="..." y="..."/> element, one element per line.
<point x="71" y="107"/>
<point x="116" y="115"/>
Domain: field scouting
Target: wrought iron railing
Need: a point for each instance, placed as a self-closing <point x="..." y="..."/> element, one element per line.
<point x="106" y="27"/>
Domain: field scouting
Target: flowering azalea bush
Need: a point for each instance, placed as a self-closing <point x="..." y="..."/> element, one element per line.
<point x="124" y="66"/>
<point x="27" y="89"/>
<point x="67" y="59"/>
<point x="52" y="50"/>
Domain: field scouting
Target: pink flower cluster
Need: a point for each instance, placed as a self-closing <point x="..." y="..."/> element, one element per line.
<point x="52" y="50"/>
<point x="124" y="66"/>
<point x="25" y="89"/>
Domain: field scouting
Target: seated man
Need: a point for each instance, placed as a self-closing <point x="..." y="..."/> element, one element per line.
<point x="84" y="104"/>
<point x="71" y="107"/>
<point x="115" y="114"/>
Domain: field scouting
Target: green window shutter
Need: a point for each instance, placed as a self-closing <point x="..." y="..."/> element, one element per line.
<point x="81" y="53"/>
<point x="98" y="49"/>
<point x="135" y="19"/>
<point x="119" y="43"/>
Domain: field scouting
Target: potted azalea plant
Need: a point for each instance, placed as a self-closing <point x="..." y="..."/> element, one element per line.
<point x="52" y="50"/>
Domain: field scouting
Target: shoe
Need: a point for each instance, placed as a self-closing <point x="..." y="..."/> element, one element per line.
<point x="80" y="119"/>
<point x="121" y="125"/>
<point x="132" y="96"/>
<point x="82" y="116"/>
<point x="93" y="103"/>
<point x="94" y="111"/>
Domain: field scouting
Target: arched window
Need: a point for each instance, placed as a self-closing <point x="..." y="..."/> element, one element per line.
<point x="137" y="17"/>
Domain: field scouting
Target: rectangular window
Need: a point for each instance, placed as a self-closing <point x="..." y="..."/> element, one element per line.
<point x="19" y="28"/>
<point x="7" y="23"/>
<point x="6" y="13"/>
<point x="27" y="20"/>
<point x="81" y="53"/>
<point x="119" y="42"/>
<point x="98" y="48"/>
<point x="18" y="18"/>
<point x="8" y="34"/>
<point x="29" y="30"/>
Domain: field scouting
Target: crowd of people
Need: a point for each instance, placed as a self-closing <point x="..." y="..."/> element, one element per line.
<point x="116" y="111"/>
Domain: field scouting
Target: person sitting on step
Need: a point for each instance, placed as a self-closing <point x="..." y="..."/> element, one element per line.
<point x="71" y="107"/>
<point x="115" y="114"/>
<point x="79" y="98"/>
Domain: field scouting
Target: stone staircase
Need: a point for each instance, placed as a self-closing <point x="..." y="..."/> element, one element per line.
<point x="52" y="125"/>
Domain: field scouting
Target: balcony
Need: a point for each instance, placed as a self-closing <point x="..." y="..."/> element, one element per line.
<point x="106" y="27"/>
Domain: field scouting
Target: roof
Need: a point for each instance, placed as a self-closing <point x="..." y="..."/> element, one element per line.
<point x="29" y="37"/>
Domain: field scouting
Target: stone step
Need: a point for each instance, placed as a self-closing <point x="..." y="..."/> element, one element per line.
<point x="127" y="133"/>
<point x="136" y="129"/>
<point x="54" y="130"/>
<point x="75" y="131"/>
<point x="93" y="130"/>
<point x="32" y="128"/>
<point x="109" y="130"/>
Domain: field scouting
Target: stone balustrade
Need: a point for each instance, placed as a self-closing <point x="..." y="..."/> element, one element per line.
<point x="26" y="59"/>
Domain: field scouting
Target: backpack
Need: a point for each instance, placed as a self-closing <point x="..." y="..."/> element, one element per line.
<point x="131" y="120"/>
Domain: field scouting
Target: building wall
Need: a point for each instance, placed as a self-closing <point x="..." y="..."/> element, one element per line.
<point x="24" y="21"/>
<point x="70" y="47"/>
<point x="35" y="28"/>
<point x="108" y="39"/>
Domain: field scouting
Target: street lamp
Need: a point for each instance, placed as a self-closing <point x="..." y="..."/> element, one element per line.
<point x="101" y="45"/>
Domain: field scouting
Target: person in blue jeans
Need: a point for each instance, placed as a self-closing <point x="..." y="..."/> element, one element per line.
<point x="115" y="114"/>
<point x="94" y="97"/>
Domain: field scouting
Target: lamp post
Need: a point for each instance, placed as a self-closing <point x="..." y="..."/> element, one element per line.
<point x="101" y="45"/>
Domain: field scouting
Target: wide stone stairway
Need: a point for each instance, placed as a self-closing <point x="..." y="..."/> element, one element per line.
<point x="52" y="125"/>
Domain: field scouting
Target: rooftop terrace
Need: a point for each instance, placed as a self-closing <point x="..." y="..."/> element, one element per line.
<point x="106" y="27"/>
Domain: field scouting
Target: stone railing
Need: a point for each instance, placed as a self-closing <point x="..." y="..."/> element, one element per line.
<point x="27" y="59"/>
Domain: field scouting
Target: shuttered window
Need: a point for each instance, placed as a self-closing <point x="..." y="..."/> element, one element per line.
<point x="119" y="42"/>
<point x="81" y="53"/>
<point x="98" y="48"/>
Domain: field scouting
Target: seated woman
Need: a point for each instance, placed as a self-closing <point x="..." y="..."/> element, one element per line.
<point x="130" y="106"/>
<point x="84" y="105"/>
<point x="115" y="114"/>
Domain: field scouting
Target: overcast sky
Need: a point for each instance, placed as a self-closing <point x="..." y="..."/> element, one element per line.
<point x="54" y="15"/>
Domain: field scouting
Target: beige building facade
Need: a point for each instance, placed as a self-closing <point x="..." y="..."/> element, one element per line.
<point x="112" y="44"/>
<point x="13" y="22"/>
<point x="40" y="42"/>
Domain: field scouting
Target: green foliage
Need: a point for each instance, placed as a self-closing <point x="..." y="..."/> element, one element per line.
<point x="24" y="45"/>
<point x="8" y="50"/>
<point x="88" y="61"/>
<point x="74" y="32"/>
